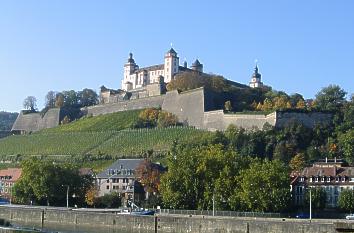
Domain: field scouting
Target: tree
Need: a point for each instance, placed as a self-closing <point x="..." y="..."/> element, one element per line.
<point x="346" y="143"/>
<point x="45" y="182"/>
<point x="91" y="196"/>
<point x="301" y="104"/>
<point x="318" y="198"/>
<point x="330" y="98"/>
<point x="297" y="163"/>
<point x="50" y="99"/>
<point x="30" y="103"/>
<point x="228" y="106"/>
<point x="110" y="200"/>
<point x="346" y="200"/>
<point x="264" y="187"/>
<point x="166" y="119"/>
<point x="59" y="100"/>
<point x="149" y="175"/>
<point x="87" y="97"/>
<point x="71" y="98"/>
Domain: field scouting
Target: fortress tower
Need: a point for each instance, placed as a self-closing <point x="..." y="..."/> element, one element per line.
<point x="256" y="79"/>
<point x="171" y="65"/>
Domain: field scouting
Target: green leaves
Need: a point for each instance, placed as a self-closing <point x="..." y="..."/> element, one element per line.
<point x="346" y="200"/>
<point x="264" y="187"/>
<point x="45" y="182"/>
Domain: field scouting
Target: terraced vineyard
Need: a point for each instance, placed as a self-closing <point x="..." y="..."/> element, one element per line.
<point x="113" y="143"/>
<point x="113" y="121"/>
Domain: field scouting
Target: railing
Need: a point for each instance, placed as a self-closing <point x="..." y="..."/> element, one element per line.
<point x="222" y="213"/>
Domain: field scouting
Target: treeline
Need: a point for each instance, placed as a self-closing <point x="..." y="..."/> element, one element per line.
<point x="69" y="99"/>
<point x="7" y="119"/>
<point x="249" y="170"/>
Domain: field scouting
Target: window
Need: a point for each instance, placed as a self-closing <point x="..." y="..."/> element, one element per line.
<point x="310" y="179"/>
<point x="337" y="179"/>
<point x="328" y="179"/>
<point x="107" y="187"/>
<point x="343" y="179"/>
<point x="316" y="179"/>
<point x="322" y="179"/>
<point x="302" y="179"/>
<point x="124" y="187"/>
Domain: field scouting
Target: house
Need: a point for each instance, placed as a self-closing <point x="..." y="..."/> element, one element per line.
<point x="8" y="177"/>
<point x="333" y="175"/>
<point x="120" y="177"/>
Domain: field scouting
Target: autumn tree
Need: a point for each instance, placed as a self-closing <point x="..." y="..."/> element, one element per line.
<point x="149" y="174"/>
<point x="228" y="106"/>
<point x="297" y="163"/>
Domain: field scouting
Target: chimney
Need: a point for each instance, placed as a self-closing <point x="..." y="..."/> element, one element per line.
<point x="185" y="64"/>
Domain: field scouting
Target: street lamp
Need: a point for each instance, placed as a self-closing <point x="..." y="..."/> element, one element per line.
<point x="310" y="206"/>
<point x="67" y="195"/>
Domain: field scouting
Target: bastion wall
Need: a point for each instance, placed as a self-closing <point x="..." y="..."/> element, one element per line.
<point x="193" y="107"/>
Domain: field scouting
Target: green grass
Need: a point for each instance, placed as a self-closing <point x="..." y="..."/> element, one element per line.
<point x="112" y="143"/>
<point x="112" y="122"/>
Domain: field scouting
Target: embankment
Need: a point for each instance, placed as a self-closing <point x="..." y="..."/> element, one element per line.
<point x="108" y="222"/>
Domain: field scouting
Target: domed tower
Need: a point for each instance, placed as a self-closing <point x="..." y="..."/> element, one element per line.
<point x="256" y="79"/>
<point x="171" y="64"/>
<point x="129" y="79"/>
<point x="197" y="66"/>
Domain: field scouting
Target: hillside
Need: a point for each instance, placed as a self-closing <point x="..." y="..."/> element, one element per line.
<point x="107" y="136"/>
<point x="7" y="119"/>
<point x="114" y="121"/>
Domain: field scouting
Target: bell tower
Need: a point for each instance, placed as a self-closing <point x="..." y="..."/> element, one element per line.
<point x="256" y="78"/>
<point x="171" y="64"/>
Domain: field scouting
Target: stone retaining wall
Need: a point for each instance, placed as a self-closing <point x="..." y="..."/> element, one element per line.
<point x="69" y="219"/>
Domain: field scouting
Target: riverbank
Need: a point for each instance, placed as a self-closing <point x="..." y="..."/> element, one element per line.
<point x="77" y="221"/>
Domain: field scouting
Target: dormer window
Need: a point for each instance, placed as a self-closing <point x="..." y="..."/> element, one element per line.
<point x="328" y="179"/>
<point x="310" y="179"/>
<point x="337" y="179"/>
<point x="302" y="179"/>
<point x="316" y="179"/>
<point x="322" y="179"/>
<point x="343" y="179"/>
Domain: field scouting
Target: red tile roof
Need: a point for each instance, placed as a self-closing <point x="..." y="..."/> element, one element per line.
<point x="14" y="173"/>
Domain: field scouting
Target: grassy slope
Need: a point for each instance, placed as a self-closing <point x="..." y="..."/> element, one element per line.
<point x="113" y="121"/>
<point x="97" y="136"/>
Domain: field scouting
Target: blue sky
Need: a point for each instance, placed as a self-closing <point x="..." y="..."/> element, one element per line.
<point x="301" y="45"/>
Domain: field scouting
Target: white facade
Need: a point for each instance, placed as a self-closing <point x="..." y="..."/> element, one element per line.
<point x="256" y="79"/>
<point x="135" y="77"/>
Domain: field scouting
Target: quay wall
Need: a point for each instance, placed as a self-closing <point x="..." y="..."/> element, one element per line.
<point x="67" y="219"/>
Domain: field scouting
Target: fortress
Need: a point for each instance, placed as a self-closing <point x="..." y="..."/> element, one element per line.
<point x="146" y="88"/>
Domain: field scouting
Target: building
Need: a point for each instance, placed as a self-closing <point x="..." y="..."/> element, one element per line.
<point x="256" y="79"/>
<point x="135" y="77"/>
<point x="120" y="177"/>
<point x="8" y="177"/>
<point x="330" y="174"/>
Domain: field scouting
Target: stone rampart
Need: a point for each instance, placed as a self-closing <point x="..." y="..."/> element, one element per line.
<point x="218" y="120"/>
<point x="148" y="102"/>
<point x="187" y="106"/>
<point x="32" y="122"/>
<point x="307" y="119"/>
<point x="66" y="219"/>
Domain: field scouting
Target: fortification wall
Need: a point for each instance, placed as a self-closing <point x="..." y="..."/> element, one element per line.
<point x="187" y="106"/>
<point x="32" y="122"/>
<point x="218" y="120"/>
<point x="149" y="102"/>
<point x="307" y="119"/>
